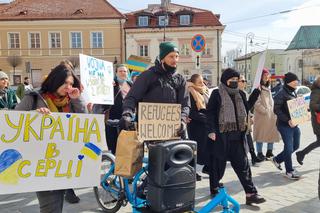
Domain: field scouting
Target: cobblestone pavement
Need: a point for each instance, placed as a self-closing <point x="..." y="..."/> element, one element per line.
<point x="283" y="195"/>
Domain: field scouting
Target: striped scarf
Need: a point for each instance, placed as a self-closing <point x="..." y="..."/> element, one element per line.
<point x="57" y="104"/>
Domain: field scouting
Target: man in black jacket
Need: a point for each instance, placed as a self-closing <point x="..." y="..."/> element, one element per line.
<point x="160" y="84"/>
<point x="290" y="133"/>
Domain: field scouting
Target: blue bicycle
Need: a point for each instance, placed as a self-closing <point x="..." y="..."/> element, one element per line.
<point x="115" y="191"/>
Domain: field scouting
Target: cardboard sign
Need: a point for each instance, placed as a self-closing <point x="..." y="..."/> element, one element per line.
<point x="48" y="152"/>
<point x="97" y="79"/>
<point x="257" y="78"/>
<point x="158" y="121"/>
<point x="298" y="109"/>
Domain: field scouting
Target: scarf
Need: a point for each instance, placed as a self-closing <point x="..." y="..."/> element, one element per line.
<point x="199" y="94"/>
<point x="57" y="104"/>
<point x="227" y="116"/>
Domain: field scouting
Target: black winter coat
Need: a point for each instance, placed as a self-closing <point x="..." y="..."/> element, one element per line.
<point x="158" y="86"/>
<point x="281" y="107"/>
<point x="218" y="148"/>
<point x="315" y="108"/>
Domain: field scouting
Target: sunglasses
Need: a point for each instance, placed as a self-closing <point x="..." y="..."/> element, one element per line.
<point x="243" y="81"/>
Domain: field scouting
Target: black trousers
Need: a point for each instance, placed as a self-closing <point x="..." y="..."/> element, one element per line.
<point x="112" y="137"/>
<point x="312" y="146"/>
<point x="235" y="153"/>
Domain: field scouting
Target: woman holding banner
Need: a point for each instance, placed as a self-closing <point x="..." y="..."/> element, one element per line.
<point x="264" y="119"/>
<point x="315" y="120"/>
<point x="121" y="88"/>
<point x="8" y="99"/>
<point x="199" y="97"/>
<point x="60" y="92"/>
<point x="290" y="132"/>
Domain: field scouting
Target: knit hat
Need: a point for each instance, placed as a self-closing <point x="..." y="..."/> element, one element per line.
<point x="227" y="74"/>
<point x="3" y="75"/>
<point x="166" y="48"/>
<point x="289" y="77"/>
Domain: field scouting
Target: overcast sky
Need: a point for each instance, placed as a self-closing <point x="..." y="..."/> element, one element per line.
<point x="275" y="31"/>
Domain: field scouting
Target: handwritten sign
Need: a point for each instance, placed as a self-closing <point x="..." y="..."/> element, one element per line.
<point x="48" y="152"/>
<point x="298" y="109"/>
<point x="97" y="78"/>
<point x="158" y="121"/>
<point x="257" y="78"/>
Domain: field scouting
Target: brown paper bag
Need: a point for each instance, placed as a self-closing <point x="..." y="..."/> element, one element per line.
<point x="129" y="154"/>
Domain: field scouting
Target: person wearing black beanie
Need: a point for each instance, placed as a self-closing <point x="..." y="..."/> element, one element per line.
<point x="227" y="123"/>
<point x="290" y="133"/>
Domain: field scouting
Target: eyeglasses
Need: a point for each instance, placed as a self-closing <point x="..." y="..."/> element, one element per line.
<point x="243" y="81"/>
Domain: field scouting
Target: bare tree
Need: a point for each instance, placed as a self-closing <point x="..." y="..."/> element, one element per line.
<point x="14" y="61"/>
<point x="75" y="61"/>
<point x="231" y="55"/>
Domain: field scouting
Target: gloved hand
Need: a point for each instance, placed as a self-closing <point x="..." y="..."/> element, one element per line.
<point x="125" y="122"/>
<point x="182" y="132"/>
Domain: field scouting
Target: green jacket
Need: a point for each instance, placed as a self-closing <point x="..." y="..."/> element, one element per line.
<point x="20" y="91"/>
<point x="11" y="100"/>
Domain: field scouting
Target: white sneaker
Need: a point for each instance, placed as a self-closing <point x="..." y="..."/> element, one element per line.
<point x="293" y="175"/>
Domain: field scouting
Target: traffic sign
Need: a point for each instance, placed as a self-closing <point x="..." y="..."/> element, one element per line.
<point x="198" y="43"/>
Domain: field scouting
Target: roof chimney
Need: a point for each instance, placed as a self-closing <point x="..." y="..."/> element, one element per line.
<point x="165" y="3"/>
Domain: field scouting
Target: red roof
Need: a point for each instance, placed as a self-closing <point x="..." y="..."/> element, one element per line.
<point x="58" y="9"/>
<point x="200" y="17"/>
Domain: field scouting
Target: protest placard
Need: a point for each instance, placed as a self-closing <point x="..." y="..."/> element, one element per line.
<point x="298" y="109"/>
<point x="158" y="121"/>
<point x="48" y="152"/>
<point x="257" y="78"/>
<point x="97" y="79"/>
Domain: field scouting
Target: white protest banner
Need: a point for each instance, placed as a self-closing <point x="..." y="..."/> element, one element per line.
<point x="298" y="109"/>
<point x="97" y="78"/>
<point x="48" y="152"/>
<point x="257" y="78"/>
<point x="158" y="121"/>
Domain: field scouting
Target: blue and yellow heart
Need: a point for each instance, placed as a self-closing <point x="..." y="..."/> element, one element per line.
<point x="9" y="163"/>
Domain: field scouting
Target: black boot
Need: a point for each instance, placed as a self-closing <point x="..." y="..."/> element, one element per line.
<point x="255" y="198"/>
<point x="254" y="158"/>
<point x="300" y="157"/>
<point x="269" y="155"/>
<point x="198" y="177"/>
<point x="261" y="156"/>
<point x="71" y="197"/>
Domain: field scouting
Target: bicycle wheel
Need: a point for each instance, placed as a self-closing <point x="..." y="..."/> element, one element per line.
<point x="108" y="193"/>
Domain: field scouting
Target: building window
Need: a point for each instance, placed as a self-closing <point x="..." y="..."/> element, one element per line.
<point x="143" y="50"/>
<point x="163" y="20"/>
<point x="14" y="40"/>
<point x="55" y="40"/>
<point x="273" y="65"/>
<point x="300" y="63"/>
<point x="184" y="20"/>
<point x="185" y="50"/>
<point x="96" y="40"/>
<point x="34" y="40"/>
<point x="76" y="40"/>
<point x="143" y="21"/>
<point x="206" y="51"/>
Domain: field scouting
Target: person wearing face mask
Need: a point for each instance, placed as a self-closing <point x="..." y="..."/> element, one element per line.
<point x="121" y="88"/>
<point x="8" y="99"/>
<point x="289" y="132"/>
<point x="159" y="84"/>
<point x="227" y="113"/>
<point x="264" y="128"/>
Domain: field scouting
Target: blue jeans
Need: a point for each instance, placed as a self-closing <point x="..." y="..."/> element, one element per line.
<point x="291" y="139"/>
<point x="260" y="144"/>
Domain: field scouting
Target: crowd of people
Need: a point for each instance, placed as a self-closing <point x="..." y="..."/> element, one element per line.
<point x="225" y="124"/>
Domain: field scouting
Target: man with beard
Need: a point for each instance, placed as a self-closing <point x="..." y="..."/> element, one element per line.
<point x="160" y="84"/>
<point x="24" y="88"/>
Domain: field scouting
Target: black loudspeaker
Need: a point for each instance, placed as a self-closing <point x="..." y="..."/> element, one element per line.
<point x="172" y="176"/>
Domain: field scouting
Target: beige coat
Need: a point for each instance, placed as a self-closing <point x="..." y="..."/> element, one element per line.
<point x="264" y="119"/>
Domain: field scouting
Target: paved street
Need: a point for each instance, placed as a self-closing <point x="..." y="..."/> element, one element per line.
<point x="282" y="195"/>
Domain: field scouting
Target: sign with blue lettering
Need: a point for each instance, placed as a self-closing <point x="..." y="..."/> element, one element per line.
<point x="198" y="43"/>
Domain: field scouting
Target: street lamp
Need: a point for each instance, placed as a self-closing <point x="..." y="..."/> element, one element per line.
<point x="248" y="36"/>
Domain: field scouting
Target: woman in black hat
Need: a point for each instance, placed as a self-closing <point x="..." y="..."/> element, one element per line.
<point x="227" y="113"/>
